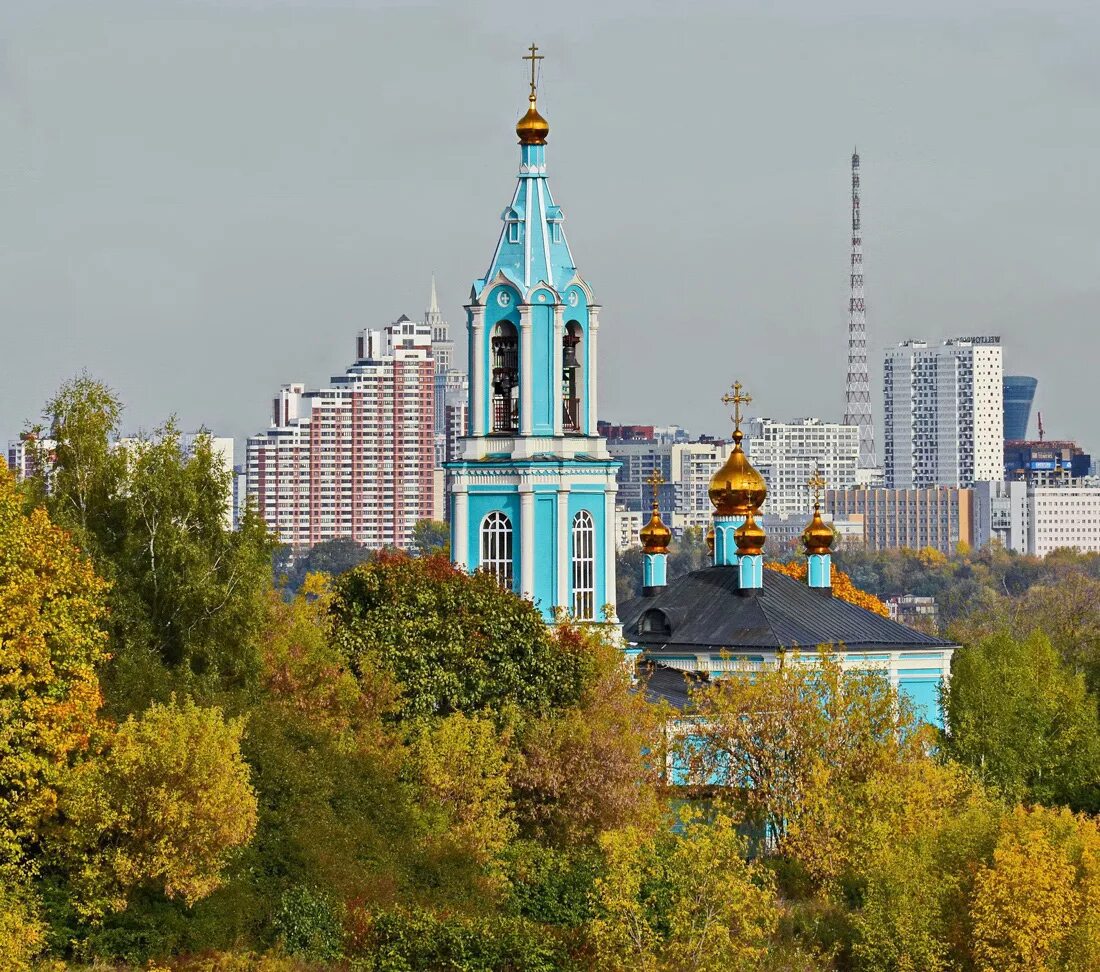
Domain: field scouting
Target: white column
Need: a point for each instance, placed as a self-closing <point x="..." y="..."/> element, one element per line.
<point x="563" y="530"/>
<point x="526" y="371"/>
<point x="478" y="378"/>
<point x="555" y="391"/>
<point x="526" y="540"/>
<point x="590" y="370"/>
<point x="609" y="548"/>
<point x="460" y="520"/>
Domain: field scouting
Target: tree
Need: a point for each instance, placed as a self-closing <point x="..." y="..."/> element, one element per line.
<point x="166" y="805"/>
<point x="431" y="537"/>
<point x="1031" y="906"/>
<point x="462" y="765"/>
<point x="332" y="557"/>
<point x="686" y="901"/>
<point x="22" y="933"/>
<point x="453" y="642"/>
<point x="776" y="734"/>
<point x="1024" y="722"/>
<point x="52" y="606"/>
<point x="843" y="587"/>
<point x="590" y="767"/>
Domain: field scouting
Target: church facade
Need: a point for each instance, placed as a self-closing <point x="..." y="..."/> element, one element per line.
<point x="532" y="496"/>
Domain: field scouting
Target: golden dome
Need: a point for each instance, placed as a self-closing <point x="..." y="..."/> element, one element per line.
<point x="750" y="537"/>
<point x="818" y="536"/>
<point x="655" y="535"/>
<point x="737" y="489"/>
<point x="532" y="128"/>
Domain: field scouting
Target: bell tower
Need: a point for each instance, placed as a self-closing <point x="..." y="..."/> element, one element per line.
<point x="533" y="494"/>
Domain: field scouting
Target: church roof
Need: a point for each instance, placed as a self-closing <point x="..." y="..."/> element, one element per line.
<point x="706" y="609"/>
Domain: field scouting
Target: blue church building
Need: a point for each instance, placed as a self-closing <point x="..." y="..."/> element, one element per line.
<point x="532" y="497"/>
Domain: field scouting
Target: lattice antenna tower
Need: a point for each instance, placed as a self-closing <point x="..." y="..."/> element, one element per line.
<point x="858" y="390"/>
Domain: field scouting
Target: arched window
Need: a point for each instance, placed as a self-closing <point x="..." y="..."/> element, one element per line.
<point x="496" y="547"/>
<point x="505" y="348"/>
<point x="571" y="358"/>
<point x="655" y="622"/>
<point x="584" y="566"/>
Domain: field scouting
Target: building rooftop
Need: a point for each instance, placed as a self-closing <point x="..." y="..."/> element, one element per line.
<point x="707" y="609"/>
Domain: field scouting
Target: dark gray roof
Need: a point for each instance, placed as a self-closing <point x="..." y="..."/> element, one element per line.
<point x="664" y="684"/>
<point x="706" y="609"/>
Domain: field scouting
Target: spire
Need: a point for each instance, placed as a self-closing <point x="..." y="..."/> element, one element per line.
<point x="858" y="391"/>
<point x="433" y="303"/>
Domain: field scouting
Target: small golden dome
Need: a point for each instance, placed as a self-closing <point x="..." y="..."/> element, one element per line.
<point x="750" y="537"/>
<point x="818" y="536"/>
<point x="710" y="539"/>
<point x="532" y="128"/>
<point x="655" y="535"/>
<point x="737" y="489"/>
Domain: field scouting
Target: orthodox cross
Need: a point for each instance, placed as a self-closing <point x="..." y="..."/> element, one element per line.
<point x="736" y="400"/>
<point x="653" y="481"/>
<point x="816" y="483"/>
<point x="534" y="59"/>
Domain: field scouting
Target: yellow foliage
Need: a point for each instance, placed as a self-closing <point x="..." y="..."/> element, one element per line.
<point x="682" y="901"/>
<point x="166" y="804"/>
<point x="463" y="764"/>
<point x="51" y="640"/>
<point x="843" y="587"/>
<point x="1034" y="906"/>
<point x="22" y="935"/>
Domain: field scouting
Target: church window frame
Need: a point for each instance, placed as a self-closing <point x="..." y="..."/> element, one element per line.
<point x="583" y="548"/>
<point x="505" y="374"/>
<point x="515" y="231"/>
<point x="572" y="378"/>
<point x="497" y="543"/>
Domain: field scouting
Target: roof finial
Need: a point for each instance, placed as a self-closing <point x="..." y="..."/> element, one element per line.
<point x="655" y="535"/>
<point x="736" y="400"/>
<point x="654" y="481"/>
<point x="816" y="483"/>
<point x="533" y="128"/>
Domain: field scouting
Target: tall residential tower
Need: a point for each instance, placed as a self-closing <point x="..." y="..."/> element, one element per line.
<point x="858" y="390"/>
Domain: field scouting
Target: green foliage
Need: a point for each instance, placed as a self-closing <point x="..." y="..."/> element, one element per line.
<point x="187" y="590"/>
<point x="1024" y="722"/>
<point x="688" y="553"/>
<point x="309" y="925"/>
<point x="413" y="940"/>
<point x="431" y="537"/>
<point x="332" y="557"/>
<point x="552" y="886"/>
<point x="452" y="641"/>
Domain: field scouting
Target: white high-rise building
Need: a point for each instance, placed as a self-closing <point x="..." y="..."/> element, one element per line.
<point x="787" y="454"/>
<point x="1035" y="520"/>
<point x="452" y="385"/>
<point x="354" y="459"/>
<point x="944" y="413"/>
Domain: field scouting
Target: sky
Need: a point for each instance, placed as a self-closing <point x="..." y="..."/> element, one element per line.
<point x="201" y="200"/>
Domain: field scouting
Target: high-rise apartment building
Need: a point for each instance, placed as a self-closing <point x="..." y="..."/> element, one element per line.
<point x="1018" y="392"/>
<point x="787" y="454"/>
<point x="452" y="385"/>
<point x="944" y="413"/>
<point x="353" y="459"/>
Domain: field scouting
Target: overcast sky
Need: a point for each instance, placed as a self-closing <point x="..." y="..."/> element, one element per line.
<point x="200" y="201"/>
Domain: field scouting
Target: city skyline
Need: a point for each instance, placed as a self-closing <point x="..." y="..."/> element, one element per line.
<point x="213" y="242"/>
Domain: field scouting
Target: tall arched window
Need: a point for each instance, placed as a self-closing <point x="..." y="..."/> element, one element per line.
<point x="571" y="378"/>
<point x="584" y="566"/>
<point x="496" y="547"/>
<point x="505" y="348"/>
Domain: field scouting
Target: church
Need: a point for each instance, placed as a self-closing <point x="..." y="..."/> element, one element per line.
<point x="532" y="497"/>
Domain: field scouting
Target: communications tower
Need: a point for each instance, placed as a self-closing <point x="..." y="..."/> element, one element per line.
<point x="858" y="393"/>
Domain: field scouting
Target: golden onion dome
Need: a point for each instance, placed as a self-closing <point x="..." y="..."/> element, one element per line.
<point x="818" y="536"/>
<point x="737" y="489"/>
<point x="532" y="128"/>
<point x="655" y="535"/>
<point x="750" y="537"/>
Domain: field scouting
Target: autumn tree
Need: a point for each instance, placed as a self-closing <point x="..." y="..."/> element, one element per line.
<point x="1024" y="722"/>
<point x="682" y="901"/>
<point x="52" y="607"/>
<point x="166" y="805"/>
<point x="775" y="734"/>
<point x="430" y="537"/>
<point x="591" y="766"/>
<point x="454" y="642"/>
